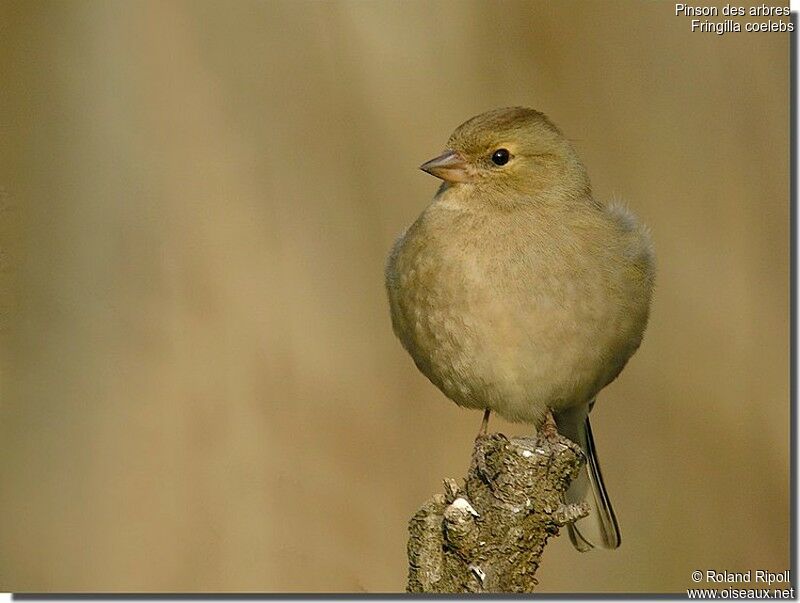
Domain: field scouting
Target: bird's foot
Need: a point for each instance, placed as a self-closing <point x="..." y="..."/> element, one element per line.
<point x="549" y="429"/>
<point x="484" y="424"/>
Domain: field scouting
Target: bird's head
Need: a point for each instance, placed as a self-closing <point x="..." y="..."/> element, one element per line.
<point x="513" y="151"/>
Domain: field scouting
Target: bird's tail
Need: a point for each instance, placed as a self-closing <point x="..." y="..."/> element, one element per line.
<point x="600" y="528"/>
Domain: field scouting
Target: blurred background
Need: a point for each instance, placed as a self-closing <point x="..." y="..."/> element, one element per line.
<point x="201" y="390"/>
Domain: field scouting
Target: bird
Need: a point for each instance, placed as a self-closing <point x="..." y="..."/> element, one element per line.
<point x="517" y="291"/>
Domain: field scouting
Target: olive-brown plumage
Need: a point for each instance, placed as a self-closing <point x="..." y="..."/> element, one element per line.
<point x="516" y="291"/>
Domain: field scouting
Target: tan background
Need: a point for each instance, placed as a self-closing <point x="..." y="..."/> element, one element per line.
<point x="201" y="389"/>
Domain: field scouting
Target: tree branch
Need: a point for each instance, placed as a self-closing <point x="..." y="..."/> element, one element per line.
<point x="490" y="535"/>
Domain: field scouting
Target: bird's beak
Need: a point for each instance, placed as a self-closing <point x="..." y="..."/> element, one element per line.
<point x="450" y="166"/>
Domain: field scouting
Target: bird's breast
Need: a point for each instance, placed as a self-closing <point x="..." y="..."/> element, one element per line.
<point x="511" y="305"/>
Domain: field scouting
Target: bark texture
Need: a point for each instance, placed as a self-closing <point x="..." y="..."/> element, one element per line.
<point x="489" y="535"/>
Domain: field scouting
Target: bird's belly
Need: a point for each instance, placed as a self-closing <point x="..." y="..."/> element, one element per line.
<point x="537" y="345"/>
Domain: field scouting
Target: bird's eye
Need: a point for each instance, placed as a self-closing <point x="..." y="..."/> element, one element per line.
<point x="501" y="157"/>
